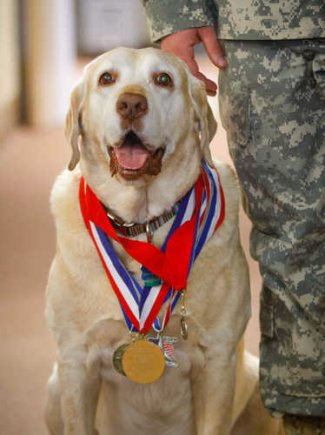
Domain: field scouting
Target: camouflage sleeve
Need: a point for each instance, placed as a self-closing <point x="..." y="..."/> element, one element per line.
<point x="170" y="16"/>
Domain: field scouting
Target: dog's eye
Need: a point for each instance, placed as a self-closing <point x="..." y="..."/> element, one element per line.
<point x="106" y="79"/>
<point x="163" y="80"/>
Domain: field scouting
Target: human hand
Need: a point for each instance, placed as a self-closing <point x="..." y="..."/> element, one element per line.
<point x="182" y="45"/>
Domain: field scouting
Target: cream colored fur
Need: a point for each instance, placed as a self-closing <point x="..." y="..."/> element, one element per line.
<point x="215" y="385"/>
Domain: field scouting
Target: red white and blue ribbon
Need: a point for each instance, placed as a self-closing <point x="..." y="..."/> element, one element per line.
<point x="201" y="211"/>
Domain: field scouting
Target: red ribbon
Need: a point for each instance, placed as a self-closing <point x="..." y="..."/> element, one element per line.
<point x="170" y="266"/>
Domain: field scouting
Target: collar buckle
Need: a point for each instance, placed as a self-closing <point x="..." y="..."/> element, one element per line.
<point x="149" y="232"/>
<point x="133" y="229"/>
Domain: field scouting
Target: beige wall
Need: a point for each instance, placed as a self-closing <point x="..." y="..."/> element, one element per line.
<point x="48" y="65"/>
<point x="9" y="65"/>
<point x="50" y="60"/>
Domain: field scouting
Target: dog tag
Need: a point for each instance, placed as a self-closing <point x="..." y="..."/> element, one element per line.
<point x="117" y="358"/>
<point x="143" y="362"/>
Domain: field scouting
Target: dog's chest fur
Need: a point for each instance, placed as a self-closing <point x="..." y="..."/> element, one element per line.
<point x="160" y="406"/>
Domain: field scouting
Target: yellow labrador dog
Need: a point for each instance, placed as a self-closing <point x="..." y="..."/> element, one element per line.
<point x="140" y="126"/>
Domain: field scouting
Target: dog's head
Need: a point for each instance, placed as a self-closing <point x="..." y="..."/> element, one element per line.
<point x="133" y="109"/>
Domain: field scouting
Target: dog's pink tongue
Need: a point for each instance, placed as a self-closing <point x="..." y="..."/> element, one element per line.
<point x="131" y="156"/>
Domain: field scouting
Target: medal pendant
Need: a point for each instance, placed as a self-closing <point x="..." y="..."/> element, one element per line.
<point x="184" y="329"/>
<point x="167" y="345"/>
<point x="143" y="362"/>
<point x="117" y="358"/>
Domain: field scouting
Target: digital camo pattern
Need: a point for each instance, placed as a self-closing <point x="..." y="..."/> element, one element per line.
<point x="169" y="16"/>
<point x="239" y="19"/>
<point x="304" y="426"/>
<point x="271" y="19"/>
<point x="272" y="104"/>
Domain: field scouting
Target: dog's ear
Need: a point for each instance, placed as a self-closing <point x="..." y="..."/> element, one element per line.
<point x="72" y="124"/>
<point x="205" y="120"/>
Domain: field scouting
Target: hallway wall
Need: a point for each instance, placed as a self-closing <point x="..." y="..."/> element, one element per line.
<point x="9" y="65"/>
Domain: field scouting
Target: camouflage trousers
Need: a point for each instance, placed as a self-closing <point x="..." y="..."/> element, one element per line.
<point x="272" y="105"/>
<point x="304" y="426"/>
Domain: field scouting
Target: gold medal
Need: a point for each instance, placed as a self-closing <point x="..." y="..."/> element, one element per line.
<point x="143" y="362"/>
<point x="117" y="358"/>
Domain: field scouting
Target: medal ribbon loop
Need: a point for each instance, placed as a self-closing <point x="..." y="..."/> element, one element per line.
<point x="200" y="213"/>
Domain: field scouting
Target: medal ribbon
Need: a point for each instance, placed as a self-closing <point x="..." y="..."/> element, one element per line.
<point x="200" y="213"/>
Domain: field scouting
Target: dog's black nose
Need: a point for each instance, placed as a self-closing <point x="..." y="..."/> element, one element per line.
<point x="131" y="106"/>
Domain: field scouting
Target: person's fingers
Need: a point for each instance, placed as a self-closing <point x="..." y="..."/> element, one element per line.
<point x="211" y="86"/>
<point x="212" y="45"/>
<point x="182" y="45"/>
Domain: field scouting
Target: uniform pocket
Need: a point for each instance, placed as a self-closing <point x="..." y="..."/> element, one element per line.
<point x="319" y="73"/>
<point x="235" y="109"/>
<point x="267" y="313"/>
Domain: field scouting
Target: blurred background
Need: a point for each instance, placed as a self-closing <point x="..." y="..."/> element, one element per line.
<point x="44" y="45"/>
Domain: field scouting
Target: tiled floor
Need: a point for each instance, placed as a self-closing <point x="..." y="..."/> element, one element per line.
<point x="29" y="161"/>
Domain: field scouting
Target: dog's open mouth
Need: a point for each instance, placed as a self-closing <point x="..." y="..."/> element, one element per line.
<point x="132" y="154"/>
<point x="132" y="158"/>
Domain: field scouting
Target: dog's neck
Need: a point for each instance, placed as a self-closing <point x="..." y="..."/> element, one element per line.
<point x="143" y="200"/>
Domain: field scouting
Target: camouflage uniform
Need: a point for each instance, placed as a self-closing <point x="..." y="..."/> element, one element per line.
<point x="272" y="105"/>
<point x="274" y="115"/>
<point x="239" y="19"/>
